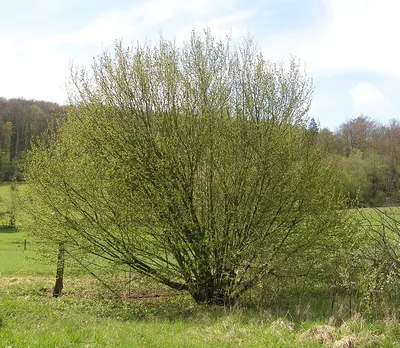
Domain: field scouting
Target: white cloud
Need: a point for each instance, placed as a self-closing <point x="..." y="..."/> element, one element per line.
<point x="233" y="25"/>
<point x="369" y="100"/>
<point x="364" y="34"/>
<point x="111" y="26"/>
<point x="147" y="18"/>
<point x="348" y="35"/>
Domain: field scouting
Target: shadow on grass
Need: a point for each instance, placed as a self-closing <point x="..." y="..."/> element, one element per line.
<point x="7" y="229"/>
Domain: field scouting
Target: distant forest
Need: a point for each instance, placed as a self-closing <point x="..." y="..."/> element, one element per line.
<point x="366" y="152"/>
<point x="368" y="155"/>
<point x="21" y="122"/>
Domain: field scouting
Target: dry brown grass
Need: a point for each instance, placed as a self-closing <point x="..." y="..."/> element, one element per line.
<point x="322" y="334"/>
<point x="282" y="324"/>
<point x="350" y="341"/>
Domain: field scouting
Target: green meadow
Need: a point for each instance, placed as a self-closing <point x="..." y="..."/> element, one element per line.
<point x="18" y="255"/>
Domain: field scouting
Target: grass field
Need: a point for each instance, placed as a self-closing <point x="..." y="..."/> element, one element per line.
<point x="29" y="317"/>
<point x="19" y="258"/>
<point x="152" y="316"/>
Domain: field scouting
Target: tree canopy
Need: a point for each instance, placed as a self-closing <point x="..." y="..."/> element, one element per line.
<point x="194" y="166"/>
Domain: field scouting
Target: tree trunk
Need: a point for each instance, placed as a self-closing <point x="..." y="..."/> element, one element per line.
<point x="60" y="271"/>
<point x="215" y="291"/>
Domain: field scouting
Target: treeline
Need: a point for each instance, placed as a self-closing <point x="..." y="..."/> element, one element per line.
<point x="368" y="155"/>
<point x="367" y="152"/>
<point x="21" y="121"/>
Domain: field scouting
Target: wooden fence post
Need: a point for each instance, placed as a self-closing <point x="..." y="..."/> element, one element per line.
<point x="60" y="271"/>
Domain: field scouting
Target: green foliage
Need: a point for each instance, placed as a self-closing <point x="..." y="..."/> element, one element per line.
<point x="368" y="154"/>
<point x="355" y="170"/>
<point x="192" y="166"/>
<point x="364" y="177"/>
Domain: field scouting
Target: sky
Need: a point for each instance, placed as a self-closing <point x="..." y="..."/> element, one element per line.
<point x="349" y="47"/>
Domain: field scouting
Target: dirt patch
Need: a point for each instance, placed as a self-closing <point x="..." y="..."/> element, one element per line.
<point x="31" y="280"/>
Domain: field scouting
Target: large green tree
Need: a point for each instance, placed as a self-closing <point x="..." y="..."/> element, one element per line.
<point x="193" y="166"/>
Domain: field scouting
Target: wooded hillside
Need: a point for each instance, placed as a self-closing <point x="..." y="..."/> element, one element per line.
<point x="21" y="121"/>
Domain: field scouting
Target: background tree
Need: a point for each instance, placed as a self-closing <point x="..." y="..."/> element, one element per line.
<point x="356" y="133"/>
<point x="193" y="166"/>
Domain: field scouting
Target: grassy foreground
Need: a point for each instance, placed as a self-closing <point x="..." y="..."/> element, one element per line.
<point x="29" y="317"/>
<point x="152" y="316"/>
